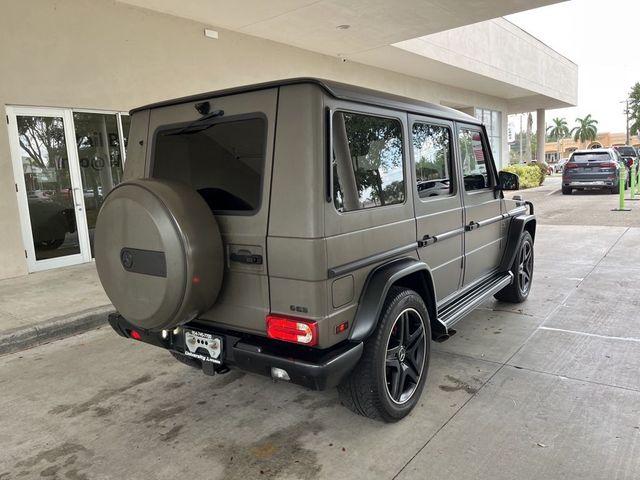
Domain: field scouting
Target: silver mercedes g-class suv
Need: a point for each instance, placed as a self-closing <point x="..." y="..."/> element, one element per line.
<point x="314" y="232"/>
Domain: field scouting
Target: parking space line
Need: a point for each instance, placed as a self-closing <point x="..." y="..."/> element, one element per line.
<point x="595" y="335"/>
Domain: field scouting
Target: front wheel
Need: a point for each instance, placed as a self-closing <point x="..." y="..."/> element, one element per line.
<point x="522" y="269"/>
<point x="387" y="382"/>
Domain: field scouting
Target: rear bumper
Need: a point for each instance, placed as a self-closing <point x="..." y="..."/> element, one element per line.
<point x="314" y="369"/>
<point x="593" y="183"/>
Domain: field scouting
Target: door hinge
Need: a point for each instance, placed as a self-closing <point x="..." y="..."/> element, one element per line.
<point x="7" y="119"/>
<point x="16" y="187"/>
<point x="25" y="254"/>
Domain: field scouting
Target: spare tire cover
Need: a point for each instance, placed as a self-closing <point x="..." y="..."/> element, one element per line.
<point x="158" y="253"/>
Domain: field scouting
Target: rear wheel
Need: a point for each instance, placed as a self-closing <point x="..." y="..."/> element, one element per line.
<point x="387" y="382"/>
<point x="566" y="190"/>
<point x="616" y="189"/>
<point x="522" y="269"/>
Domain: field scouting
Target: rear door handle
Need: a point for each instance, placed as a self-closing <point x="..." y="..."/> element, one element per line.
<point x="472" y="226"/>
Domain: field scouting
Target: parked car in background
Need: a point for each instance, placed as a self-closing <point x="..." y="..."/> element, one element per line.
<point x="597" y="168"/>
<point x="629" y="155"/>
<point x="559" y="165"/>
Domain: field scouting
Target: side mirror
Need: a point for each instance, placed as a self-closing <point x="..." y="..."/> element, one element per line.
<point x="508" y="181"/>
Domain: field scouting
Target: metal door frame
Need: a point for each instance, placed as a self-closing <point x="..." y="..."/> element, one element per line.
<point x="21" y="192"/>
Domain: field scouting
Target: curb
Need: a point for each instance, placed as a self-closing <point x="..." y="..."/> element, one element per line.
<point x="53" y="329"/>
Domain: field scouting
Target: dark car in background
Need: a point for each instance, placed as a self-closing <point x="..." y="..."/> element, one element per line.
<point x="598" y="169"/>
<point x="629" y="156"/>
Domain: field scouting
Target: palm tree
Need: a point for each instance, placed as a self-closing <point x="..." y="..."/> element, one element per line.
<point x="586" y="130"/>
<point x="558" y="130"/>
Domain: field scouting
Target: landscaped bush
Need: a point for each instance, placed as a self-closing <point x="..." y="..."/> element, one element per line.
<point x="530" y="175"/>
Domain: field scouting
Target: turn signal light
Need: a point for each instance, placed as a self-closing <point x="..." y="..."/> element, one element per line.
<point x="291" y="329"/>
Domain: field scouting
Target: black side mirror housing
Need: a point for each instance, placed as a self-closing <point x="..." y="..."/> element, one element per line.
<point x="508" y="181"/>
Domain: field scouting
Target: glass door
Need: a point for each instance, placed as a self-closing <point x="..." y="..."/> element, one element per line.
<point x="100" y="156"/>
<point x="50" y="194"/>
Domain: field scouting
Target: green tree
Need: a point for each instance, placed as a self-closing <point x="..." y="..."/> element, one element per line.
<point x="634" y="110"/>
<point x="586" y="130"/>
<point x="558" y="131"/>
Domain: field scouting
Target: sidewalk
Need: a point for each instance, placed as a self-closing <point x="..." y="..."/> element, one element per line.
<point x="43" y="306"/>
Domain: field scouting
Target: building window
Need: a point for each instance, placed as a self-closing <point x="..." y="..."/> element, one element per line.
<point x="492" y="120"/>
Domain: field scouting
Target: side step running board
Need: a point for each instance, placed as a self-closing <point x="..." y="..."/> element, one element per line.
<point x="453" y="312"/>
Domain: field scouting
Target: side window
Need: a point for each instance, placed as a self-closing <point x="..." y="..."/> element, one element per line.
<point x="476" y="170"/>
<point x="368" y="161"/>
<point x="432" y="154"/>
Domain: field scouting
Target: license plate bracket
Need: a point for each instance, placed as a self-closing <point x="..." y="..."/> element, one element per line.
<point x="203" y="346"/>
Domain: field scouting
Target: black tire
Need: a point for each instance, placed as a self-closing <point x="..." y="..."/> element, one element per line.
<point x="615" y="190"/>
<point x="190" y="362"/>
<point x="387" y="382"/>
<point x="522" y="269"/>
<point x="567" y="190"/>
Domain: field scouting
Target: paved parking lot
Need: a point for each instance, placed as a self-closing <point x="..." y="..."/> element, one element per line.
<point x="546" y="389"/>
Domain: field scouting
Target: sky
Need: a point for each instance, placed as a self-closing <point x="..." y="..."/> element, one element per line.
<point x="602" y="38"/>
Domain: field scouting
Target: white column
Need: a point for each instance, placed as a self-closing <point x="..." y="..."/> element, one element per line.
<point x="541" y="133"/>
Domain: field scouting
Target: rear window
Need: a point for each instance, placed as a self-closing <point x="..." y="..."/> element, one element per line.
<point x="591" y="157"/>
<point x="626" y="151"/>
<point x="223" y="161"/>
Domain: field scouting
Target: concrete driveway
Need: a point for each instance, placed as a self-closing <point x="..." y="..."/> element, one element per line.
<point x="546" y="389"/>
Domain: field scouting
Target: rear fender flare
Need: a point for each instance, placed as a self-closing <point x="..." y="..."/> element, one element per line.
<point x="408" y="272"/>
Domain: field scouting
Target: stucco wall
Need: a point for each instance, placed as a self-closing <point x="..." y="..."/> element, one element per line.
<point x="105" y="55"/>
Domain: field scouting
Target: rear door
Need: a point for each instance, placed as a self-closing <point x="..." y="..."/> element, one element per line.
<point x="484" y="225"/>
<point x="226" y="155"/>
<point x="438" y="202"/>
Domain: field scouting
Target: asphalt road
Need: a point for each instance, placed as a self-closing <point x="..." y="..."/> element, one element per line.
<point x="546" y="389"/>
<point x="588" y="207"/>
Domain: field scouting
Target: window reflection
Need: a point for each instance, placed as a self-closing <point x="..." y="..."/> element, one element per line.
<point x="368" y="161"/>
<point x="100" y="158"/>
<point x="432" y="153"/>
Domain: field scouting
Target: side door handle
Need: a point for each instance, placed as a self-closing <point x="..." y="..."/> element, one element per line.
<point x="472" y="226"/>
<point x="427" y="240"/>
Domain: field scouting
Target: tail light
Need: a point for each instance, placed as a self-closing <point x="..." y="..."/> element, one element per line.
<point x="570" y="165"/>
<point x="608" y="165"/>
<point x="630" y="161"/>
<point x="135" y="335"/>
<point x="291" y="329"/>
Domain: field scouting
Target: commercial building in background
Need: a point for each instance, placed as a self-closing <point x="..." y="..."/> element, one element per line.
<point x="568" y="145"/>
<point x="73" y="68"/>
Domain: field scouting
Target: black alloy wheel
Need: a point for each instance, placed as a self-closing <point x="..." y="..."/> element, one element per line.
<point x="525" y="268"/>
<point x="522" y="269"/>
<point x="406" y="349"/>
<point x="387" y="381"/>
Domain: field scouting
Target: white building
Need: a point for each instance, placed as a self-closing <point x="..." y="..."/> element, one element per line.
<point x="73" y="68"/>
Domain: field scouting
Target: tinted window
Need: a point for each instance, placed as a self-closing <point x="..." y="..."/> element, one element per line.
<point x="432" y="154"/>
<point x="368" y="161"/>
<point x="223" y="161"/>
<point x="626" y="151"/>
<point x="475" y="161"/>
<point x="591" y="157"/>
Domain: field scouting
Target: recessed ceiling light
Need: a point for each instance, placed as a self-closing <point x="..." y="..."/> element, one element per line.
<point x="343" y="27"/>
